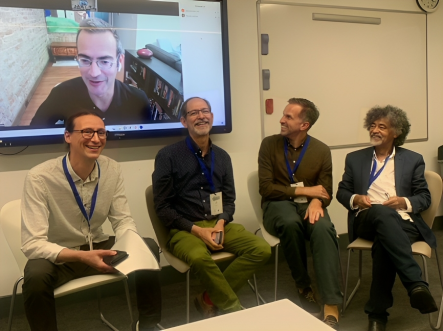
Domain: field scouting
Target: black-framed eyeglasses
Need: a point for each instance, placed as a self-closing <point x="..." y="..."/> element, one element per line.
<point x="84" y="62"/>
<point x="193" y="113"/>
<point x="89" y="133"/>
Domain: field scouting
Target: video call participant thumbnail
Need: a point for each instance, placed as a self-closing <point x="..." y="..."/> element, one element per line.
<point x="100" y="57"/>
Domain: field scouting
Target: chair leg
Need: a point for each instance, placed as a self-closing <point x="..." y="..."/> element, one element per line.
<point x="128" y="300"/>
<point x="343" y="309"/>
<point x="440" y="311"/>
<point x="341" y="269"/>
<point x="11" y="309"/>
<point x="439" y="267"/>
<point x="187" y="295"/>
<point x="347" y="301"/>
<point x="425" y="268"/>
<point x="276" y="272"/>
<point x="254" y="289"/>
<point x="104" y="320"/>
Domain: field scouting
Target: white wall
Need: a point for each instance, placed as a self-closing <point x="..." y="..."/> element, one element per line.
<point x="137" y="158"/>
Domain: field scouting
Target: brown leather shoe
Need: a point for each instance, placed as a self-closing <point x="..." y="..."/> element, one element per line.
<point x="203" y="308"/>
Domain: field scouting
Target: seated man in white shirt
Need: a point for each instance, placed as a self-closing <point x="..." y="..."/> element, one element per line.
<point x="65" y="202"/>
<point x="384" y="190"/>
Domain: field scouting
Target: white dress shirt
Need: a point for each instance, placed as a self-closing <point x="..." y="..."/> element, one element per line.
<point x="51" y="218"/>
<point x="383" y="187"/>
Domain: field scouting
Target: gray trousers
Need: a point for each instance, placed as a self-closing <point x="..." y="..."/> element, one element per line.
<point x="285" y="220"/>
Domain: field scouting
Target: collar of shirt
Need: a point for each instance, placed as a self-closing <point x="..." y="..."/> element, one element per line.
<point x="295" y="148"/>
<point x="199" y="151"/>
<point x="390" y="156"/>
<point x="115" y="102"/>
<point x="384" y="186"/>
<point x="92" y="176"/>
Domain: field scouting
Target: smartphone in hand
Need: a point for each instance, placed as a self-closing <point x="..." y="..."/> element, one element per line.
<point x="218" y="237"/>
<point x="115" y="259"/>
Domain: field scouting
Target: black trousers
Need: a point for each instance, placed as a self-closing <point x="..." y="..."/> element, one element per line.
<point x="41" y="277"/>
<point x="391" y="255"/>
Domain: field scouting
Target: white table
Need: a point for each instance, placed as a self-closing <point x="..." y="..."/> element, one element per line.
<point x="280" y="315"/>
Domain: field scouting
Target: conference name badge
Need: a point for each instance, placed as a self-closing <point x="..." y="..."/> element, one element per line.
<point x="299" y="199"/>
<point x="216" y="201"/>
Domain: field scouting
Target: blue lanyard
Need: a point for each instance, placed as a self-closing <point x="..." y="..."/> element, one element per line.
<point x="374" y="175"/>
<point x="77" y="196"/>
<point x="203" y="167"/>
<point x="302" y="153"/>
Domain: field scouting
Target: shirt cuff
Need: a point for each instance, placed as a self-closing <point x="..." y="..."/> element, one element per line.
<point x="54" y="260"/>
<point x="408" y="205"/>
<point x="224" y="216"/>
<point x="182" y="224"/>
<point x="290" y="192"/>
<point x="351" y="202"/>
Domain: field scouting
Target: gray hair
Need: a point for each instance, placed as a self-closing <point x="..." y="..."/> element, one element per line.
<point x="97" y="25"/>
<point x="309" y="112"/>
<point x="396" y="117"/>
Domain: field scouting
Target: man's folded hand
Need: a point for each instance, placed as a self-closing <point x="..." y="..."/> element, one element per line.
<point x="206" y="235"/>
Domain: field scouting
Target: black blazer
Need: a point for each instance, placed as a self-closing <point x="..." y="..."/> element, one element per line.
<point x="410" y="183"/>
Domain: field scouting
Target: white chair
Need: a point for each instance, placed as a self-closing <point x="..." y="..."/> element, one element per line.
<point x="418" y="248"/>
<point x="254" y="195"/>
<point x="10" y="222"/>
<point x="162" y="234"/>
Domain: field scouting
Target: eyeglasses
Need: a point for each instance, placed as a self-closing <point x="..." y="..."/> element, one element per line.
<point x="84" y="62"/>
<point x="193" y="113"/>
<point x="89" y="133"/>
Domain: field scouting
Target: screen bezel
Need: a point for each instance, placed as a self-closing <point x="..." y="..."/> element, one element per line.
<point x="133" y="6"/>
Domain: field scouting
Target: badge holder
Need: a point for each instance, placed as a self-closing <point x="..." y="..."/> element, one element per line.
<point x="299" y="199"/>
<point x="216" y="201"/>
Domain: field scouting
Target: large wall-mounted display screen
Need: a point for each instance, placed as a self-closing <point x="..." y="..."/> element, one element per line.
<point x="135" y="77"/>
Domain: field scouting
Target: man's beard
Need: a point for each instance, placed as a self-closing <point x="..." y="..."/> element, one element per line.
<point x="375" y="142"/>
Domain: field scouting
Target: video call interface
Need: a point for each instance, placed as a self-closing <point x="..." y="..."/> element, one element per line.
<point x="167" y="58"/>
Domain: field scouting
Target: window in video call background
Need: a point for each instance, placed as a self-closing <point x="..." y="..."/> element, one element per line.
<point x="190" y="45"/>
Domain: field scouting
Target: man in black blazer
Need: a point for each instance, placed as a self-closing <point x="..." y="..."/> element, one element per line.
<point x="384" y="190"/>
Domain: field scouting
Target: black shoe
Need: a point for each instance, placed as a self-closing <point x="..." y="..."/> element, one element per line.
<point x="308" y="301"/>
<point x="376" y="326"/>
<point x="331" y="321"/>
<point x="138" y="328"/>
<point x="421" y="299"/>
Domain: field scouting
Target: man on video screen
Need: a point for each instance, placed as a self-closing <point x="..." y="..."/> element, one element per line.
<point x="100" y="57"/>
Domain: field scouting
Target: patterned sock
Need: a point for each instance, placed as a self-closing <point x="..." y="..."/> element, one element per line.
<point x="207" y="299"/>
